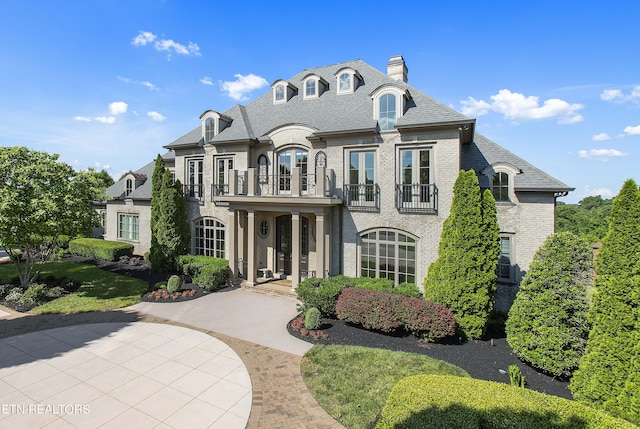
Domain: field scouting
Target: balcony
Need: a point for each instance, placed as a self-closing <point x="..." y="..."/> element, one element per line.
<point x="417" y="198"/>
<point x="194" y="192"/>
<point x="362" y="196"/>
<point x="247" y="185"/>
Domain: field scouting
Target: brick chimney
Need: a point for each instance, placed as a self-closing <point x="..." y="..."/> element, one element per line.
<point x="397" y="69"/>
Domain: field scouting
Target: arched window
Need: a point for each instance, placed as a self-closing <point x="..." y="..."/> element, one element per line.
<point x="388" y="254"/>
<point x="388" y="116"/>
<point x="210" y="237"/>
<point x="321" y="159"/>
<point x="210" y="129"/>
<point x="280" y="92"/>
<point x="263" y="169"/>
<point x="287" y="160"/>
<point x="310" y="88"/>
<point x="500" y="186"/>
<point x="345" y="82"/>
<point x="129" y="187"/>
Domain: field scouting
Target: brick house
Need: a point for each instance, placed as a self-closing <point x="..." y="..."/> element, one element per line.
<point x="340" y="169"/>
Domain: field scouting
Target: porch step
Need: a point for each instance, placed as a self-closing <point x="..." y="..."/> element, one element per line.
<point x="276" y="287"/>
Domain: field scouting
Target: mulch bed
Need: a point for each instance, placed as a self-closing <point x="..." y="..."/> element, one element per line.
<point x="482" y="359"/>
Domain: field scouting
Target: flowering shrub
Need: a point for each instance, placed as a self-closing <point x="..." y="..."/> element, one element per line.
<point x="388" y="312"/>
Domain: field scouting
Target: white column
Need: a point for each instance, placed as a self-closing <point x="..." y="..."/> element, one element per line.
<point x="232" y="239"/>
<point x="295" y="249"/>
<point x="251" y="247"/>
<point x="320" y="261"/>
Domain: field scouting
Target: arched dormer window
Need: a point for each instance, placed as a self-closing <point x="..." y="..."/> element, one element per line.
<point x="213" y="123"/>
<point x="310" y="89"/>
<point x="347" y="80"/>
<point x="282" y="91"/>
<point x="501" y="179"/>
<point x="313" y="86"/>
<point x="389" y="102"/>
<point x="128" y="187"/>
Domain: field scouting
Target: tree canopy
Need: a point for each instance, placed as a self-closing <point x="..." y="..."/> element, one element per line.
<point x="589" y="219"/>
<point x="40" y="200"/>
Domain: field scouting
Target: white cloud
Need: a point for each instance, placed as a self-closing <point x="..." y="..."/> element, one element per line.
<point x="148" y="84"/>
<point x="82" y="119"/>
<point x="118" y="108"/>
<point x="105" y="119"/>
<point x="168" y="45"/>
<point x="156" y="116"/>
<point x="616" y="95"/>
<point x="601" y="137"/>
<point x="594" y="192"/>
<point x="601" y="154"/>
<point x="516" y="106"/>
<point x="143" y="38"/>
<point x="243" y="85"/>
<point x="206" y="80"/>
<point x="632" y="131"/>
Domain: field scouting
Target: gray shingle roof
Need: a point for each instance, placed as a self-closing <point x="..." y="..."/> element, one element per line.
<point x="333" y="113"/>
<point x="142" y="192"/>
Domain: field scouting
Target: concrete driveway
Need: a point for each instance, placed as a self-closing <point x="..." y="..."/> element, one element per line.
<point x="255" y="317"/>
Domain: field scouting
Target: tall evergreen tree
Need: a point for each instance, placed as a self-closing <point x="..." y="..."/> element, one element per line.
<point x="155" y="253"/>
<point x="463" y="277"/>
<point x="547" y="325"/>
<point x="607" y="376"/>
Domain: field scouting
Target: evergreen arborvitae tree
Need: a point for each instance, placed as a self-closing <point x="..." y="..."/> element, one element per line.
<point x="607" y="375"/>
<point x="181" y="222"/>
<point x="547" y="325"/>
<point x="155" y="253"/>
<point x="463" y="278"/>
<point x="172" y="227"/>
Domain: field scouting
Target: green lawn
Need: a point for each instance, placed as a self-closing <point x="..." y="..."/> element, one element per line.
<point x="100" y="291"/>
<point x="353" y="383"/>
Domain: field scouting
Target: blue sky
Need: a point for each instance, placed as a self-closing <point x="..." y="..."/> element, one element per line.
<point x="107" y="83"/>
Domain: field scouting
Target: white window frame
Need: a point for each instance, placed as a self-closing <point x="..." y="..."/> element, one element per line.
<point x="209" y="237"/>
<point x="353" y="77"/>
<point x="502" y="266"/>
<point x="194" y="182"/>
<point x="129" y="226"/>
<point x="401" y="96"/>
<point x="511" y="171"/>
<point x="418" y="195"/>
<point x="399" y="256"/>
<point x="221" y="176"/>
<point x="362" y="197"/>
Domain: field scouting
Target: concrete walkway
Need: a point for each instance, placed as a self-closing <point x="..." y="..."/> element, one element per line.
<point x="113" y="375"/>
<point x="252" y="326"/>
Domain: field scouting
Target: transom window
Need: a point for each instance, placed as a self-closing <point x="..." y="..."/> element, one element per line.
<point x="388" y="116"/>
<point x="210" y="238"/>
<point x="388" y="254"/>
<point x="500" y="186"/>
<point x="128" y="228"/>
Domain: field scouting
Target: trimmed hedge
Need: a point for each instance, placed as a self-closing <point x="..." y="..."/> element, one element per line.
<point x="387" y="312"/>
<point x="439" y="401"/>
<point x="209" y="272"/>
<point x="323" y="293"/>
<point x="96" y="248"/>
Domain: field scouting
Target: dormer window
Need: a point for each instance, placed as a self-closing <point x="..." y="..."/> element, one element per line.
<point x="501" y="177"/>
<point x="388" y="105"/>
<point x="347" y="80"/>
<point x="212" y="124"/>
<point x="500" y="187"/>
<point x="279" y="93"/>
<point x="282" y="91"/>
<point x="313" y="86"/>
<point x="310" y="88"/>
<point x="128" y="187"/>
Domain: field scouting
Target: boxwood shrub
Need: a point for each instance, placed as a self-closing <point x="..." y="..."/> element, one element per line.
<point x="209" y="272"/>
<point x="388" y="312"/>
<point x="96" y="248"/>
<point x="439" y="401"/>
<point x="323" y="293"/>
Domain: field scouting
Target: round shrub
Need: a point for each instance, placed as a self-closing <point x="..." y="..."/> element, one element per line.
<point x="547" y="324"/>
<point x="174" y="284"/>
<point x="35" y="293"/>
<point x="320" y="293"/>
<point x="312" y="318"/>
<point x="444" y="401"/>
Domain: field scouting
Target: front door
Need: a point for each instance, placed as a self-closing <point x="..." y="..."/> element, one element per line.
<point x="283" y="244"/>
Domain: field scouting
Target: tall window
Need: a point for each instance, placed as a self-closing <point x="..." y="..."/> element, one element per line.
<point x="388" y="254"/>
<point x="310" y="88"/>
<point x="128" y="227"/>
<point x="129" y="187"/>
<point x="504" y="260"/>
<point x="263" y="169"/>
<point x="387" y="112"/>
<point x="222" y="166"/>
<point x="287" y="160"/>
<point x="345" y="82"/>
<point x="280" y="93"/>
<point x="415" y="177"/>
<point x="210" y="129"/>
<point x="210" y="238"/>
<point x="362" y="187"/>
<point x="194" y="179"/>
<point x="500" y="186"/>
